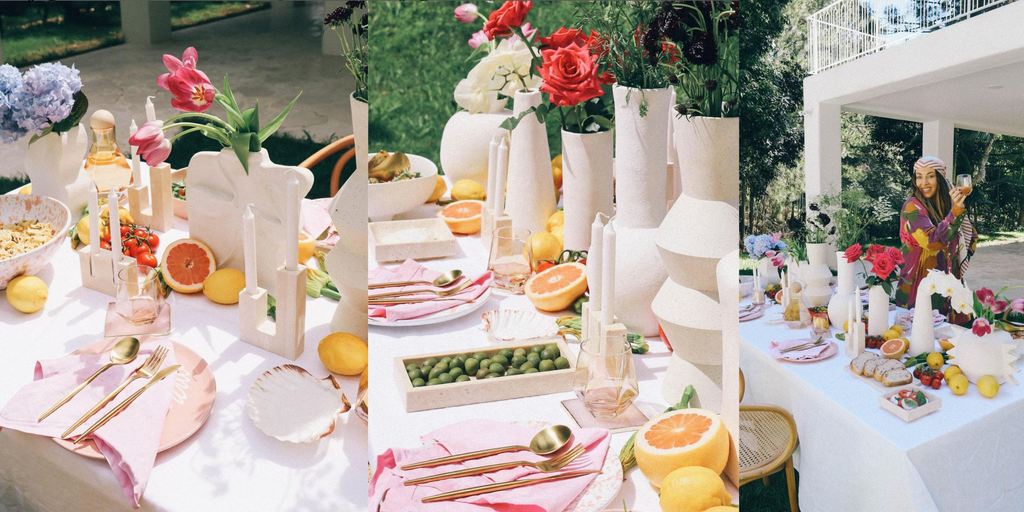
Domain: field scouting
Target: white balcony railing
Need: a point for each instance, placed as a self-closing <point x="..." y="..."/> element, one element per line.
<point x="848" y="29"/>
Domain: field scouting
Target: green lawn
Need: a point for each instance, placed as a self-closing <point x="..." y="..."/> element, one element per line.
<point x="756" y="497"/>
<point x="420" y="54"/>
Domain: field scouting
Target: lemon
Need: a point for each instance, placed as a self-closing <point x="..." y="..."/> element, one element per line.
<point x="27" y="189"/>
<point x="556" y="219"/>
<point x="545" y="246"/>
<point x="958" y="384"/>
<point x="951" y="372"/>
<point x="890" y="334"/>
<point x="988" y="387"/>
<point x="935" y="361"/>
<point x="343" y="353"/>
<point x="946" y="345"/>
<point x="307" y="247"/>
<point x="439" y="189"/>
<point x="693" y="489"/>
<point x="27" y="293"/>
<point x="898" y="329"/>
<point x="468" y="189"/>
<point x="224" y="285"/>
<point x="82" y="228"/>
<point x="556" y="171"/>
<point x="559" y="232"/>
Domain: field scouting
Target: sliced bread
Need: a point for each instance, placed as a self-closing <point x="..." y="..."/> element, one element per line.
<point x="857" y="365"/>
<point x="897" y="377"/>
<point x="888" y="364"/>
<point x="869" y="367"/>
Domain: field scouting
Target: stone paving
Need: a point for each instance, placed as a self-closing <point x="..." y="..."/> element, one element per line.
<point x="268" y="55"/>
<point x="996" y="266"/>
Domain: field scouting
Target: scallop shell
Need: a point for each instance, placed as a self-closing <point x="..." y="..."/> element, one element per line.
<point x="290" y="404"/>
<point x="514" y="325"/>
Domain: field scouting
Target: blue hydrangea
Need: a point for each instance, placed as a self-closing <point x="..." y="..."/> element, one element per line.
<point x="46" y="96"/>
<point x="10" y="81"/>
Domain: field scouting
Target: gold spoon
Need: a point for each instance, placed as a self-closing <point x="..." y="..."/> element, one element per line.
<point x="440" y="293"/>
<point x="442" y="280"/>
<point x="123" y="352"/>
<point x="546" y="442"/>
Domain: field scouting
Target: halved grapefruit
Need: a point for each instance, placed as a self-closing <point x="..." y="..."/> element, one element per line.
<point x="687" y="437"/>
<point x="462" y="217"/>
<point x="186" y="264"/>
<point x="557" y="287"/>
<point x="894" y="348"/>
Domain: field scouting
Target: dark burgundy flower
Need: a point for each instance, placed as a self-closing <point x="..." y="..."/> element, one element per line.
<point x="702" y="50"/>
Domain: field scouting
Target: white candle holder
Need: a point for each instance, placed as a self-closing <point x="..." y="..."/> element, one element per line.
<point x="151" y="205"/>
<point x="99" y="267"/>
<point x="284" y="336"/>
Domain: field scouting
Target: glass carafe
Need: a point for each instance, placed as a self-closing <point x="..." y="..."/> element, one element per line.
<point x="106" y="164"/>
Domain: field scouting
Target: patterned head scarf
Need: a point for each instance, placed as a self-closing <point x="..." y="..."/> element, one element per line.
<point x="931" y="162"/>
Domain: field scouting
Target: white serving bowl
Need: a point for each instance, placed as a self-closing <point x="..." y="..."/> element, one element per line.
<point x="746" y="285"/>
<point x="389" y="199"/>
<point x="18" y="207"/>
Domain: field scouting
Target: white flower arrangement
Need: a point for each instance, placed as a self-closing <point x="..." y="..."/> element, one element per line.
<point x="947" y="285"/>
<point x="497" y="77"/>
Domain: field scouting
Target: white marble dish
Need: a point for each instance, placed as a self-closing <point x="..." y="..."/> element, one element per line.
<point x="418" y="239"/>
<point x="290" y="404"/>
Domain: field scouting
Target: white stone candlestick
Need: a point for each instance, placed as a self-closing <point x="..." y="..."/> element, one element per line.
<point x="152" y="205"/>
<point x="291" y="227"/>
<point x="136" y="170"/>
<point x="249" y="246"/>
<point x="610" y="327"/>
<point x="98" y="267"/>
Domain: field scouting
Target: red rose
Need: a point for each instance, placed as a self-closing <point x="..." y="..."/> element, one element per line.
<point x="509" y="16"/>
<point x="570" y="75"/>
<point x="882" y="266"/>
<point x="873" y="251"/>
<point x="895" y="255"/>
<point x="853" y="253"/>
<point x="564" y="37"/>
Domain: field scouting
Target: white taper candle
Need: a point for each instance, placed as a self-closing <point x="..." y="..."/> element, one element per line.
<point x="291" y="245"/>
<point x="608" y="275"/>
<point x="594" y="262"/>
<point x="492" y="169"/>
<point x="249" y="249"/>
<point x="136" y="168"/>
<point x="502" y="176"/>
<point x="150" y="109"/>
<point x="114" y="219"/>
<point x="94" y="219"/>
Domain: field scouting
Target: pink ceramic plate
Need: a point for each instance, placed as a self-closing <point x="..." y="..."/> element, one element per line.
<point x="832" y="350"/>
<point x="751" y="315"/>
<point x="194" y="393"/>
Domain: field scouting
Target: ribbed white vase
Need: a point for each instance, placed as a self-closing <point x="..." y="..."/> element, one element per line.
<point x="587" y="186"/>
<point x="709" y="146"/>
<point x="641" y="155"/>
<point x="530" y="199"/>
<point x="816" y="275"/>
<point x="839" y="304"/>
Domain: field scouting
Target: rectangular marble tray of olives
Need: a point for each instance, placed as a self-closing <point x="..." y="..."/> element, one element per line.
<point x="513" y="371"/>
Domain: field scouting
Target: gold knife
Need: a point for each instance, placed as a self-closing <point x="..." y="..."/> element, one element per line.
<point x="503" y="486"/>
<point x="379" y="302"/>
<point x="170" y="370"/>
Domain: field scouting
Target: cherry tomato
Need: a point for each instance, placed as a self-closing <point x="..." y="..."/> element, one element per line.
<point x="147" y="259"/>
<point x="125" y="230"/>
<point x="938" y="376"/>
<point x="104" y="245"/>
<point x="131" y="242"/>
<point x="544" y="266"/>
<point x="125" y="250"/>
<point x="926" y="380"/>
<point x="936" y="383"/>
<point x="105" y="237"/>
<point x="917" y="373"/>
<point x="153" y="240"/>
<point x="139" y="249"/>
<point x="906" y="393"/>
<point x="141" y="233"/>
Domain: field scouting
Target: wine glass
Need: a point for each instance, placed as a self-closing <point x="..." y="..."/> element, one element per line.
<point x="510" y="259"/>
<point x="963" y="182"/>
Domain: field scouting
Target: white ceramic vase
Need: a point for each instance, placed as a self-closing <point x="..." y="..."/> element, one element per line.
<point x="768" y="272"/>
<point x="530" y="198"/>
<point x="54" y="165"/>
<point x="878" y="311"/>
<point x="922" y="334"/>
<point x="639" y="273"/>
<point x="641" y="155"/>
<point x="360" y="132"/>
<point x="348" y="261"/>
<point x="993" y="354"/>
<point x="839" y="304"/>
<point x="465" y="142"/>
<point x="709" y="146"/>
<point x="219" y="190"/>
<point x="587" y="184"/>
<point x="816" y="275"/>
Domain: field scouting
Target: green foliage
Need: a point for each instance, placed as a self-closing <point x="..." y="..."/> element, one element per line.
<point x="625" y="57"/>
<point x="709" y="90"/>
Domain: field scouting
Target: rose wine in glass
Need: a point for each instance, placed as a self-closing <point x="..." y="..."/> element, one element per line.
<point x="106" y="164"/>
<point x="964" y="182"/>
<point x="510" y="259"/>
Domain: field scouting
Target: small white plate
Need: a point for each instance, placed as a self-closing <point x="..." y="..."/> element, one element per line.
<point x="439" y="317"/>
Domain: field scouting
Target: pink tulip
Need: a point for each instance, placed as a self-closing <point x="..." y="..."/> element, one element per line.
<point x="1017" y="305"/>
<point x="466" y="13"/>
<point x="986" y="297"/>
<point x="769" y="253"/>
<point x="151" y="144"/>
<point x="981" y="327"/>
<point x="191" y="88"/>
<point x="999" y="306"/>
<point x="189" y="60"/>
<point x="478" y="39"/>
<point x="776" y="236"/>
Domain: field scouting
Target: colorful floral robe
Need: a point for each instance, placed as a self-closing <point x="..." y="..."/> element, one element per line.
<point x="928" y="246"/>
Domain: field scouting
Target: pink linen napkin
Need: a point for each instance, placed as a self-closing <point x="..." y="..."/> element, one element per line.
<point x="129" y="441"/>
<point x="315" y="219"/>
<point x="413" y="271"/>
<point x="776" y="348"/>
<point x="389" y="494"/>
<point x="751" y="313"/>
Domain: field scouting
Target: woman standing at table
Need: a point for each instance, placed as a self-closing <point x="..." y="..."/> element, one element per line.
<point x="934" y="230"/>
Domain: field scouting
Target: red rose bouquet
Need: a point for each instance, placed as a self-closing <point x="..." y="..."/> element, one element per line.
<point x="572" y="78"/>
<point x="885" y="262"/>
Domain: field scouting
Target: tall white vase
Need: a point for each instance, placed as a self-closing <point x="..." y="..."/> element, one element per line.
<point x="219" y="190"/>
<point x="641" y="155"/>
<point x="922" y="335"/>
<point x="768" y="272"/>
<point x="839" y="304"/>
<point x="878" y="311"/>
<point x="817" y="275"/>
<point x="639" y="272"/>
<point x="709" y="145"/>
<point x="348" y="261"/>
<point x="587" y="185"/>
<point x="360" y="132"/>
<point x="530" y="199"/>
<point x="465" y="142"/>
<point x="54" y="167"/>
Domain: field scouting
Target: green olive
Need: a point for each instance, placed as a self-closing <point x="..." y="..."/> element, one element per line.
<point x="482" y="372"/>
<point x="480" y="356"/>
<point x="443" y="366"/>
<point x="553" y="348"/>
<point x="462" y="358"/>
<point x="562" y="363"/>
<point x="513" y="371"/>
<point x="472" y="365"/>
<point x="534" y="358"/>
<point x="500" y="359"/>
<point x="519" y="352"/>
<point x="415" y="373"/>
<point x="546" y="365"/>
<point x="455" y="372"/>
<point x="506" y="353"/>
<point x="445" y="378"/>
<point x="418" y="383"/>
<point x="496" y="368"/>
<point x="530" y="370"/>
<point x="430" y="362"/>
<point x="412" y="366"/>
<point x="446" y="360"/>
<point x="527" y="365"/>
<point x="547" y="355"/>
<point x="425" y="370"/>
<point x="484" y="363"/>
<point x="492" y="376"/>
<point x="537" y="349"/>
<point x="436" y="372"/>
<point x="462" y="378"/>
<point x="518" y="361"/>
<point x="433" y="382"/>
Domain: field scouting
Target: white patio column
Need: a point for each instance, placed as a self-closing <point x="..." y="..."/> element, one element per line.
<point x="937" y="141"/>
<point x="145" y="22"/>
<point x="823" y="153"/>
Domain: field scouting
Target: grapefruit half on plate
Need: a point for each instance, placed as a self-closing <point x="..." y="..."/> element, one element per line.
<point x="557" y="287"/>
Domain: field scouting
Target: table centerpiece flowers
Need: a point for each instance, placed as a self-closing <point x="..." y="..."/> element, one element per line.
<point x="769" y="252"/>
<point x="884" y="271"/>
<point x="355" y="50"/>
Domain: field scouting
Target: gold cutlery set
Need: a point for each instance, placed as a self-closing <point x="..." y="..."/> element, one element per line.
<point x="443" y="281"/>
<point x="124" y="352"/>
<point x="546" y="442"/>
<point x="814" y="344"/>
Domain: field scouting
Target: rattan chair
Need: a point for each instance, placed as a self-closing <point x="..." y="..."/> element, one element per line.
<point x="767" y="441"/>
<point x="743" y="385"/>
<point x="329" y="150"/>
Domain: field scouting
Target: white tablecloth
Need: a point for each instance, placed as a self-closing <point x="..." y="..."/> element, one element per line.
<point x="228" y="465"/>
<point x="855" y="456"/>
<point x="393" y="427"/>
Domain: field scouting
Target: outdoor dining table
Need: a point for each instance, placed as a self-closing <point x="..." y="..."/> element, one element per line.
<point x="227" y="465"/>
<point x="856" y="456"/>
<point x="395" y="428"/>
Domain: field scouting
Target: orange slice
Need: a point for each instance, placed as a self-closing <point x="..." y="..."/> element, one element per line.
<point x="894" y="348"/>
<point x="687" y="437"/>
<point x="186" y="264"/>
<point x="556" y="288"/>
<point x="462" y="217"/>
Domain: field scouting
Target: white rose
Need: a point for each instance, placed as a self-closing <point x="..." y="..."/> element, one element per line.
<point x="510" y="62"/>
<point x="476" y="99"/>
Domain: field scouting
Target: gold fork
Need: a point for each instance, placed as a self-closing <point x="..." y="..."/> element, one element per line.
<point x="170" y="370"/>
<point x="146" y="371"/>
<point x="804" y="346"/>
<point x="547" y="466"/>
<point x="484" y="489"/>
<point x="439" y="293"/>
